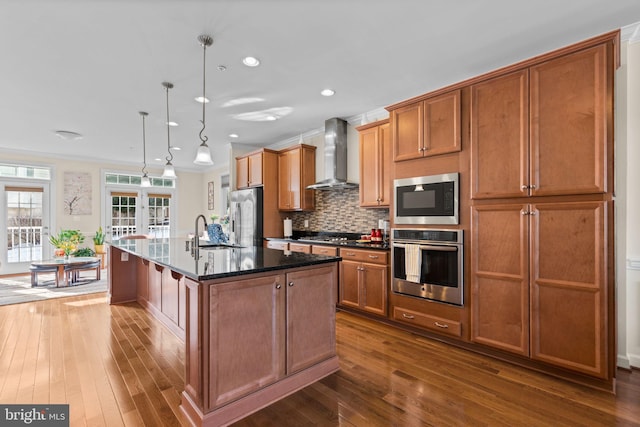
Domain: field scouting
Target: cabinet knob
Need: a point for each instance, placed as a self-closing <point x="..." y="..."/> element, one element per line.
<point x="441" y="325"/>
<point x="525" y="187"/>
<point x="533" y="187"/>
<point x="278" y="286"/>
<point x="290" y="284"/>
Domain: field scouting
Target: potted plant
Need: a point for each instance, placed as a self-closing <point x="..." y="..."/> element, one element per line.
<point x="98" y="241"/>
<point x="66" y="242"/>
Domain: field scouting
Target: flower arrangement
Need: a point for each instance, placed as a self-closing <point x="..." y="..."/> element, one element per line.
<point x="66" y="242"/>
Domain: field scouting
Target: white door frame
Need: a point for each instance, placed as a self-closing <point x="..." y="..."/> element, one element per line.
<point x="47" y="221"/>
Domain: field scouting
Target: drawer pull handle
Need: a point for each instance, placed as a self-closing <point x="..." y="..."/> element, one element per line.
<point x="441" y="325"/>
<point x="374" y="256"/>
<point x="408" y="316"/>
<point x="350" y="254"/>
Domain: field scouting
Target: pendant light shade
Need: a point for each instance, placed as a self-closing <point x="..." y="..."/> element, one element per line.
<point x="203" y="157"/>
<point x="169" y="171"/>
<point x="145" y="182"/>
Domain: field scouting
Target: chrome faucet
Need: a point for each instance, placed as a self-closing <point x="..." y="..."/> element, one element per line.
<point x="196" y="237"/>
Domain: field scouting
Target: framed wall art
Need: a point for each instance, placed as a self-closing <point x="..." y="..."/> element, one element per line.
<point x="210" y="195"/>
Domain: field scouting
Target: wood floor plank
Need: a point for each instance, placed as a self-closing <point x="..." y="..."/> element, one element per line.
<point x="118" y="366"/>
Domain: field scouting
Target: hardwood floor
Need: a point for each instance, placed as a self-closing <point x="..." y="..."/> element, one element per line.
<point x="116" y="365"/>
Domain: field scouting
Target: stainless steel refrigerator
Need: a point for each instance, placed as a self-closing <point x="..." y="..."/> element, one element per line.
<point x="245" y="214"/>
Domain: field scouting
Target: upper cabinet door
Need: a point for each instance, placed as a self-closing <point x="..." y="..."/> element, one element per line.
<point x="427" y="128"/>
<point x="375" y="165"/>
<point x="500" y="137"/>
<point x="442" y="124"/>
<point x="255" y="169"/>
<point x="369" y="167"/>
<point x="571" y="115"/>
<point x="408" y="133"/>
<point x="242" y="172"/>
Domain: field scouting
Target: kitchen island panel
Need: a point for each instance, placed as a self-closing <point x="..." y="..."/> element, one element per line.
<point x="246" y="337"/>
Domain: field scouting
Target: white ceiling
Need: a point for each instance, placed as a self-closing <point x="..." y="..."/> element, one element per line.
<point x="89" y="66"/>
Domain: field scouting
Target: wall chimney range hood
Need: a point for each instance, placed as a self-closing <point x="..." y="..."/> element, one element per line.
<point x="335" y="157"/>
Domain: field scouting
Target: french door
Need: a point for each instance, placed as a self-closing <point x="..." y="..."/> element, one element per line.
<point x="25" y="216"/>
<point x="138" y="212"/>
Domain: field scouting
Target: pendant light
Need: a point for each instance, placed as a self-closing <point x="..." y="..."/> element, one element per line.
<point x="145" y="182"/>
<point x="203" y="157"/>
<point x="169" y="171"/>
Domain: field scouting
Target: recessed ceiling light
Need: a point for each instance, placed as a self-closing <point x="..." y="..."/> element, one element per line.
<point x="327" y="92"/>
<point x="158" y="159"/>
<point x="250" y="61"/>
<point x="68" y="135"/>
<point x="233" y="135"/>
<point x="222" y="68"/>
<point x="201" y="98"/>
<point x="173" y="147"/>
<point x="172" y="124"/>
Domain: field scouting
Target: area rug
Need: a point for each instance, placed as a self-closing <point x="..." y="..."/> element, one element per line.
<point x="15" y="290"/>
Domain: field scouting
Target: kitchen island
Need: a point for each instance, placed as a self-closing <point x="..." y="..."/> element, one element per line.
<point x="257" y="324"/>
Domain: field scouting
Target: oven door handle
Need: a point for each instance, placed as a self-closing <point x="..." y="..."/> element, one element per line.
<point x="431" y="247"/>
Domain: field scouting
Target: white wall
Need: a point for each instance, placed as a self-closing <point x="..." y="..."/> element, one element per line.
<point x="190" y="192"/>
<point x="629" y="231"/>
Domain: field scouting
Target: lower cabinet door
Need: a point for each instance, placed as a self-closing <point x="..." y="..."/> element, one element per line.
<point x="349" y="284"/>
<point x="374" y="286"/>
<point x="311" y="311"/>
<point x="247" y="337"/>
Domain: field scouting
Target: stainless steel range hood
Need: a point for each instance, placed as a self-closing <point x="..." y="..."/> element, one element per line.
<point x="335" y="157"/>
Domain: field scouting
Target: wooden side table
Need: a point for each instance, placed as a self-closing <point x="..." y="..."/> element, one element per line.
<point x="103" y="259"/>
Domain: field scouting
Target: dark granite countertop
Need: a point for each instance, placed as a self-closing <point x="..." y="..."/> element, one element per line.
<point x="220" y="262"/>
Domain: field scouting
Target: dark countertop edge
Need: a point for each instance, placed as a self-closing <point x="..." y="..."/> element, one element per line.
<point x="367" y="246"/>
<point x="322" y="259"/>
<point x="329" y="259"/>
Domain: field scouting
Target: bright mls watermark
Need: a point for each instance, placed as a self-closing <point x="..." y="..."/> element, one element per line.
<point x="34" y="415"/>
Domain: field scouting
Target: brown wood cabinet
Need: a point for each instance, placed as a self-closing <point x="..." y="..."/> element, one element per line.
<point x="539" y="282"/>
<point x="278" y="244"/>
<point x="375" y="164"/>
<point x="544" y="130"/>
<point x="267" y="328"/>
<point x="162" y="291"/>
<point x="296" y="170"/>
<point x="251" y="168"/>
<point x="324" y="250"/>
<point x="300" y="247"/>
<point x="364" y="280"/>
<point x="427" y="128"/>
<point x="260" y="169"/>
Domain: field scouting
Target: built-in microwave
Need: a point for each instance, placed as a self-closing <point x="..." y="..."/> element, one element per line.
<point x="426" y="199"/>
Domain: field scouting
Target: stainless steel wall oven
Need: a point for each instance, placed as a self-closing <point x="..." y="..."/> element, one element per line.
<point x="428" y="263"/>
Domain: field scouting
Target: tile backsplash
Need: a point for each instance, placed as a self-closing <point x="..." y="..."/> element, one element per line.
<point x="339" y="211"/>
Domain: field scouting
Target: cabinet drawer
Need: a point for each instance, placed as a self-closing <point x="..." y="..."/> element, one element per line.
<point x="275" y="244"/>
<point x="300" y="247"/>
<point x="445" y="326"/>
<point x="374" y="257"/>
<point x="324" y="250"/>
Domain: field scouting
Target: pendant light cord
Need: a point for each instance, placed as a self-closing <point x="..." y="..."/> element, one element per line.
<point x="170" y="156"/>
<point x="204" y="42"/>
<point x="144" y="145"/>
